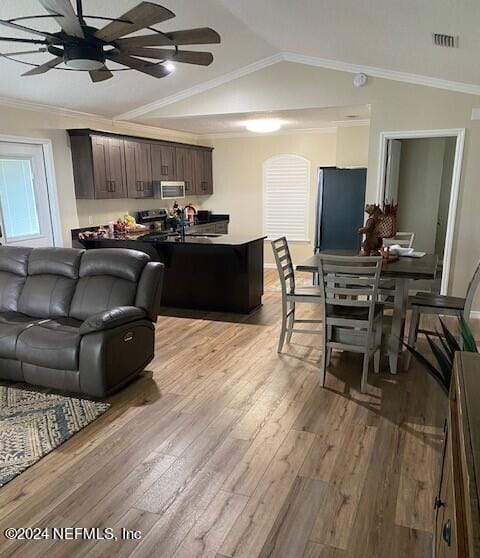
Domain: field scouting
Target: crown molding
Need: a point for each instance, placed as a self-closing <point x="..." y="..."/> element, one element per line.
<point x="338" y="65"/>
<point x="202" y="87"/>
<point x="101" y="122"/>
<point x="383" y="73"/>
<point x="39" y="107"/>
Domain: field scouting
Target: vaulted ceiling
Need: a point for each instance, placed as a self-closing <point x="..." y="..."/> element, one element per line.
<point x="386" y="34"/>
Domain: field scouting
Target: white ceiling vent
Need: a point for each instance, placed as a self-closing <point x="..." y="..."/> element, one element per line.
<point x="449" y="41"/>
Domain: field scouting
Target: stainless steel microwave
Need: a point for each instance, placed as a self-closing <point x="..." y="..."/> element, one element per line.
<point x="168" y="189"/>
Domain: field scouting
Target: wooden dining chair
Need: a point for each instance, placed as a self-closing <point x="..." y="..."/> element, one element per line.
<point x="351" y="313"/>
<point x="432" y="304"/>
<point x="403" y="239"/>
<point x="386" y="288"/>
<point x="291" y="294"/>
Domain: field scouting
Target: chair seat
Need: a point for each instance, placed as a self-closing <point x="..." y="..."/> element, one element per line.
<point x="53" y="344"/>
<point x="306" y="291"/>
<point x="438" y="301"/>
<point x="12" y="324"/>
<point x="351" y="312"/>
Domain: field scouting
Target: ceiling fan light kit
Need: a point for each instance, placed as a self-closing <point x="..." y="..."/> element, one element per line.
<point x="82" y="47"/>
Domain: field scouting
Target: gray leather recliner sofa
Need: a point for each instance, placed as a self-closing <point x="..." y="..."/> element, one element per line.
<point x="77" y="321"/>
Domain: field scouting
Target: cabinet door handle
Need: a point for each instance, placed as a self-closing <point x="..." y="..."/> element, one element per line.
<point x="438" y="503"/>
<point x="447" y="532"/>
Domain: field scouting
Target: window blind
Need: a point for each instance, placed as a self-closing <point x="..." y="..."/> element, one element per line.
<point x="286" y="187"/>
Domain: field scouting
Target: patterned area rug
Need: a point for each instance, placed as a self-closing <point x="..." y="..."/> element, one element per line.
<point x="33" y="423"/>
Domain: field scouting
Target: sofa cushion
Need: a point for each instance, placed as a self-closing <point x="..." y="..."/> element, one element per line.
<point x="52" y="344"/>
<point x="13" y="274"/>
<point x="108" y="278"/>
<point x="55" y="261"/>
<point x="49" y="288"/>
<point x="11" y="325"/>
<point x="121" y="263"/>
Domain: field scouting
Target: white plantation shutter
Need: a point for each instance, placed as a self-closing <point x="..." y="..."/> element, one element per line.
<point x="286" y="187"/>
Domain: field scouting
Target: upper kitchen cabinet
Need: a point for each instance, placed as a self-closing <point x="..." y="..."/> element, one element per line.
<point x="98" y="166"/>
<point x="203" y="172"/>
<point x="163" y="162"/>
<point x="107" y="165"/>
<point x="138" y="166"/>
<point x="185" y="163"/>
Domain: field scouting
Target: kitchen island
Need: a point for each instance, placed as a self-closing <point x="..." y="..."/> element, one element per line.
<point x="222" y="273"/>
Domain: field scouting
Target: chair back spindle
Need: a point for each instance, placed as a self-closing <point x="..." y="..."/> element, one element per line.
<point x="284" y="264"/>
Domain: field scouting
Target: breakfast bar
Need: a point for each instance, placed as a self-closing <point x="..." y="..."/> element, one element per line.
<point x="222" y="273"/>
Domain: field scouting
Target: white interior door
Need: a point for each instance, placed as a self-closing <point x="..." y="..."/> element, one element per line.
<point x="25" y="212"/>
<point x="394" y="151"/>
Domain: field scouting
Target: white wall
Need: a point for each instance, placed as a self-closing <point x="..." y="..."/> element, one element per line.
<point x="445" y="191"/>
<point x="238" y="163"/>
<point x="419" y="186"/>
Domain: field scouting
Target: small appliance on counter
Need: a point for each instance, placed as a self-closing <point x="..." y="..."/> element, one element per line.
<point x="155" y="219"/>
<point x="203" y="216"/>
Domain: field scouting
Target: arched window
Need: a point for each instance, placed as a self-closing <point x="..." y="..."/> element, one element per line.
<point x="286" y="197"/>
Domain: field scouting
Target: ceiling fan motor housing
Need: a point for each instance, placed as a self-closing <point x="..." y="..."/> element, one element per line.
<point x="84" y="56"/>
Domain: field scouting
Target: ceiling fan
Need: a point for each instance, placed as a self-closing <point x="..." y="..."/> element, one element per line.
<point x="83" y="47"/>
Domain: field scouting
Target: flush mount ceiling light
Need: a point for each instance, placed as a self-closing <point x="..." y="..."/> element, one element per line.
<point x="263" y="125"/>
<point x="82" y="47"/>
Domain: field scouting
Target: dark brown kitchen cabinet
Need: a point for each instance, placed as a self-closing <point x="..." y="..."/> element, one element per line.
<point x="138" y="166"/>
<point x="203" y="172"/>
<point x="163" y="162"/>
<point x="107" y="165"/>
<point x="184" y="158"/>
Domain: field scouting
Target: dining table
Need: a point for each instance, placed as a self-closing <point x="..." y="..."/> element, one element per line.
<point x="401" y="272"/>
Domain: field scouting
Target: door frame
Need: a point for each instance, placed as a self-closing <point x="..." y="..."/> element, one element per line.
<point x="52" y="190"/>
<point x="458" y="133"/>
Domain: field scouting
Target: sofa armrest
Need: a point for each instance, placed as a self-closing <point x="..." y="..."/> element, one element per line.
<point x="111" y="318"/>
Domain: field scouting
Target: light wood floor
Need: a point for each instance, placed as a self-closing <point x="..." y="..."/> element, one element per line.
<point x="226" y="449"/>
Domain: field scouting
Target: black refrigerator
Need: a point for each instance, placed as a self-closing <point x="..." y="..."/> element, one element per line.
<point x="340" y="208"/>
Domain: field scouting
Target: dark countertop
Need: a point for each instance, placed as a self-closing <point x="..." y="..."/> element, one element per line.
<point x="203" y="240"/>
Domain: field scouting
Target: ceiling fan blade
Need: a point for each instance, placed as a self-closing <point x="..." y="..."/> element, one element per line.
<point x="155" y="70"/>
<point x="28" y="30"/>
<point x="183" y="56"/>
<point x="201" y="36"/>
<point x="44" y="67"/>
<point x="68" y="19"/>
<point x="28" y="41"/>
<point x="23" y="52"/>
<point x="143" y="15"/>
<point x="100" y="75"/>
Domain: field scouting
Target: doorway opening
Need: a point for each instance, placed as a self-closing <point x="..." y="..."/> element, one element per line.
<point x="28" y="199"/>
<point x="420" y="170"/>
